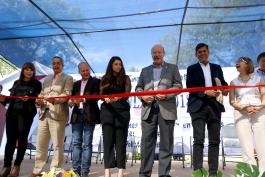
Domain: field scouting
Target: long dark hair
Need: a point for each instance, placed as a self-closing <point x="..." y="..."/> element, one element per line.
<point x="109" y="76"/>
<point x="27" y="65"/>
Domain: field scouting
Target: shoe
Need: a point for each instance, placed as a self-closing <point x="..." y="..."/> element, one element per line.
<point x="5" y="171"/>
<point x="15" y="171"/>
<point x="107" y="173"/>
<point x="35" y="175"/>
<point x="84" y="175"/>
<point x="120" y="173"/>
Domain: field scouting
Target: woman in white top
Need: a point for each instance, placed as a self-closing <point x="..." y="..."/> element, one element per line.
<point x="249" y="112"/>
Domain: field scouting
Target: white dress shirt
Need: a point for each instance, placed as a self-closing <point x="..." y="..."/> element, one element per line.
<point x="82" y="88"/>
<point x="207" y="74"/>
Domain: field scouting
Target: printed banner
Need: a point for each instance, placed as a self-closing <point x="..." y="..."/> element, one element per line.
<point x="183" y="127"/>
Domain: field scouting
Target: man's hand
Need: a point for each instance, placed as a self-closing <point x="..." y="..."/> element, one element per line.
<point x="77" y="101"/>
<point x="211" y="93"/>
<point x="40" y="102"/>
<point x="148" y="99"/>
<point x="50" y="100"/>
<point x="160" y="97"/>
<point x="71" y="102"/>
<point x="225" y="92"/>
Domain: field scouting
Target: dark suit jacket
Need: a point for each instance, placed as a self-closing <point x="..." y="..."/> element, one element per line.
<point x="91" y="109"/>
<point x="195" y="78"/>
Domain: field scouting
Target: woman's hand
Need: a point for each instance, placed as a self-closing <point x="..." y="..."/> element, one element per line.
<point x="24" y="98"/>
<point x="111" y="100"/>
<point x="2" y="99"/>
<point x="107" y="100"/>
<point x="249" y="110"/>
<point x="115" y="99"/>
<point x="257" y="108"/>
<point x="253" y="109"/>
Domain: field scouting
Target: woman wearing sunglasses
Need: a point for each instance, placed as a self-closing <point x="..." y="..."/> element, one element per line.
<point x="249" y="112"/>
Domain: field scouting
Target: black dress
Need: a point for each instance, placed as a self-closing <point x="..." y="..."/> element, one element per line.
<point x="115" y="118"/>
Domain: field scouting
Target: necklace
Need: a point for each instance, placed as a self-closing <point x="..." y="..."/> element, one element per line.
<point x="245" y="79"/>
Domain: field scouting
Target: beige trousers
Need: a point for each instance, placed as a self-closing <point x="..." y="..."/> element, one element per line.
<point x="251" y="134"/>
<point x="49" y="129"/>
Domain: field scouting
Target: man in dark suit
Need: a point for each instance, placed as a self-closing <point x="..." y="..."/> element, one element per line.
<point x="84" y="117"/>
<point x="204" y="108"/>
<point x="159" y="110"/>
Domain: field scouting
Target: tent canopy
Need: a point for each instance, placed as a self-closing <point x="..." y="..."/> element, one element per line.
<point x="95" y="30"/>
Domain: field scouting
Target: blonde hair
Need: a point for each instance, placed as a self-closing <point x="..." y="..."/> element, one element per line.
<point x="248" y="61"/>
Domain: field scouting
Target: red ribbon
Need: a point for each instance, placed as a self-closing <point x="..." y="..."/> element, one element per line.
<point x="145" y="93"/>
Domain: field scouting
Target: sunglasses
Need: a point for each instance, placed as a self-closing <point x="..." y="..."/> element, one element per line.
<point x="242" y="59"/>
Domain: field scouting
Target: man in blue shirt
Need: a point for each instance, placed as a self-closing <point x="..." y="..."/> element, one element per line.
<point x="261" y="61"/>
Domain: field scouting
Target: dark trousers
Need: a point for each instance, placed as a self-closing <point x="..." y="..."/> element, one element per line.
<point x="212" y="118"/>
<point x="148" y="143"/>
<point x="17" y="131"/>
<point x="115" y="125"/>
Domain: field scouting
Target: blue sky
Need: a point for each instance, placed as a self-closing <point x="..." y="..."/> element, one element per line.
<point x="133" y="46"/>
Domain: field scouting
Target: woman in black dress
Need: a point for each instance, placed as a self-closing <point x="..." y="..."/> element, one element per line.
<point x="115" y="116"/>
<point x="19" y="118"/>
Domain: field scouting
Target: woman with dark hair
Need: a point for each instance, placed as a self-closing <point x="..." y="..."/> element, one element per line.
<point x="115" y="115"/>
<point x="249" y="112"/>
<point x="19" y="118"/>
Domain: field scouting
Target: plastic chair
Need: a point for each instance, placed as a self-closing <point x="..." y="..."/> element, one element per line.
<point x="229" y="140"/>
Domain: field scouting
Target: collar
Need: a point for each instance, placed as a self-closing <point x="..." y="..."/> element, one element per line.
<point x="202" y="64"/>
<point x="84" y="81"/>
<point x="260" y="71"/>
<point x="57" y="75"/>
<point x="161" y="66"/>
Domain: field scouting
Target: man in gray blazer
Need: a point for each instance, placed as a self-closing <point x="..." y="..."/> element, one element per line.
<point x="159" y="110"/>
<point x="53" y="116"/>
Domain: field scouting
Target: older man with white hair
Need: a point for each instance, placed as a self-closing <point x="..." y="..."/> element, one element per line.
<point x="159" y="110"/>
